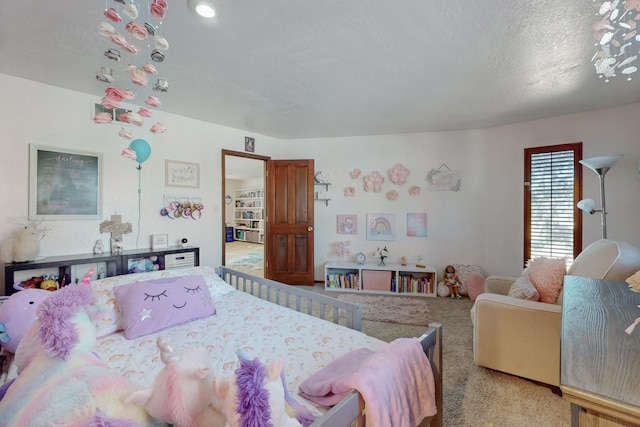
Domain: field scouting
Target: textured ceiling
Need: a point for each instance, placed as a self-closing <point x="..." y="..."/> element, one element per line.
<point x="300" y="69"/>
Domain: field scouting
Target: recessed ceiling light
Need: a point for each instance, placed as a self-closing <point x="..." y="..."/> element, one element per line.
<point x="203" y="8"/>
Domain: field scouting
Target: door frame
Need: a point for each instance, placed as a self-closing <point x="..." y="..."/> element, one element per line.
<point x="265" y="159"/>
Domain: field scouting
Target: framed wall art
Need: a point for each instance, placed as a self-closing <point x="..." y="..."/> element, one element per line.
<point x="159" y="241"/>
<point x="443" y="179"/>
<point x="115" y="113"/>
<point x="64" y="184"/>
<point x="181" y="174"/>
<point x="249" y="144"/>
<point x="347" y="224"/>
<point x="380" y="226"/>
<point x="417" y="224"/>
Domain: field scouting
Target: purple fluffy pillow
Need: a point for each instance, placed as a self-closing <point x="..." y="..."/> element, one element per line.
<point x="149" y="307"/>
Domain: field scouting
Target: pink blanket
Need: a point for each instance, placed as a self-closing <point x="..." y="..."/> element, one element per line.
<point x="396" y="383"/>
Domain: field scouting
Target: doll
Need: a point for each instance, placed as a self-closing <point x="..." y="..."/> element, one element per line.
<point x="452" y="281"/>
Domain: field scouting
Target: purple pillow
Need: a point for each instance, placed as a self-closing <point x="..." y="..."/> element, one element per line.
<point x="149" y="307"/>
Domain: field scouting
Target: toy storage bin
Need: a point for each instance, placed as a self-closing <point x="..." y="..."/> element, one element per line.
<point x="376" y="280"/>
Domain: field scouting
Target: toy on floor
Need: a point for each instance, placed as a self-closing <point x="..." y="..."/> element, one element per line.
<point x="256" y="395"/>
<point x="181" y="393"/>
<point x="55" y="359"/>
<point x="452" y="281"/>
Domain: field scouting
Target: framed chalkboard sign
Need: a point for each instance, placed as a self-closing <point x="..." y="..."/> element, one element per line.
<point x="64" y="184"/>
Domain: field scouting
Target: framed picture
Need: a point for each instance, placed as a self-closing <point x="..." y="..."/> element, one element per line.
<point x="380" y="226"/>
<point x="116" y="113"/>
<point x="64" y="184"/>
<point x="181" y="174"/>
<point x="417" y="224"/>
<point x="443" y="179"/>
<point x="249" y="144"/>
<point x="159" y="241"/>
<point x="348" y="224"/>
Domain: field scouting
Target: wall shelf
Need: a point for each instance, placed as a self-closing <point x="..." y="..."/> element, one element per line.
<point x="319" y="196"/>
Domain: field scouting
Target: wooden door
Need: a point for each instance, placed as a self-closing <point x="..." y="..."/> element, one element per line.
<point x="290" y="221"/>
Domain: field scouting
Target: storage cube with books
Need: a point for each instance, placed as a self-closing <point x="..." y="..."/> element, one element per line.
<point x="391" y="278"/>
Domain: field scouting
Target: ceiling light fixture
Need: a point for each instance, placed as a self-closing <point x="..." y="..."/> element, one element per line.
<point x="616" y="38"/>
<point x="204" y="8"/>
<point x="601" y="166"/>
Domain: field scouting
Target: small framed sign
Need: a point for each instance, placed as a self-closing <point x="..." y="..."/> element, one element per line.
<point x="249" y="144"/>
<point x="159" y="241"/>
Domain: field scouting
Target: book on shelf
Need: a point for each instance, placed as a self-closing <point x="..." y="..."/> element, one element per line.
<point x="422" y="284"/>
<point x="343" y="280"/>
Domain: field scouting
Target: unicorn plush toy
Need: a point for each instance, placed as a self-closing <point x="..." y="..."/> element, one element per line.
<point x="181" y="392"/>
<point x="256" y="395"/>
<point x="55" y="359"/>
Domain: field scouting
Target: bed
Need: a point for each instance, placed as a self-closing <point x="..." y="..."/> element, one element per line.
<point x="307" y="330"/>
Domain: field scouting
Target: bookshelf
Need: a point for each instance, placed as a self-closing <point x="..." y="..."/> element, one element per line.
<point x="249" y="215"/>
<point x="392" y="278"/>
<point x="71" y="266"/>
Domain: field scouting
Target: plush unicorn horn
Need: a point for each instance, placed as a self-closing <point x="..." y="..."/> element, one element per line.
<point x="86" y="280"/>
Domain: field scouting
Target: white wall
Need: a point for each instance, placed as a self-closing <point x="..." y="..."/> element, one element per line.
<point x="481" y="223"/>
<point x="33" y="113"/>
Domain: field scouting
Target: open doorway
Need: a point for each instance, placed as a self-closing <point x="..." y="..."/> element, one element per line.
<point x="244" y="216"/>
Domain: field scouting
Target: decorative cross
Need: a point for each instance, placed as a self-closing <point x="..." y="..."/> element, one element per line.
<point x="117" y="228"/>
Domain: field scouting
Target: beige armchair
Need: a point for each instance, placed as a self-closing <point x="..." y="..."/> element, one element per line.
<point x="522" y="337"/>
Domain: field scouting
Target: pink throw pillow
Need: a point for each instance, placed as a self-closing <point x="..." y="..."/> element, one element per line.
<point x="475" y="285"/>
<point x="547" y="275"/>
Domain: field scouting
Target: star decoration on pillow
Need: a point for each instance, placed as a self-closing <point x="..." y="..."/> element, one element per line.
<point x="145" y="313"/>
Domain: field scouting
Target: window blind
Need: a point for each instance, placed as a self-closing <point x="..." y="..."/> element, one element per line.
<point x="552" y="204"/>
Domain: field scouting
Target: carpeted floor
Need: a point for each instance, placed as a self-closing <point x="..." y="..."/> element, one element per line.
<point x="391" y="309"/>
<point x="475" y="396"/>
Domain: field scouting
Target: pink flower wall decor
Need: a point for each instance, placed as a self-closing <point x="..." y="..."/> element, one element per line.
<point x="349" y="192"/>
<point x="373" y="182"/>
<point x="398" y="174"/>
<point x="414" y="190"/>
<point x="392" y="195"/>
<point x="355" y="174"/>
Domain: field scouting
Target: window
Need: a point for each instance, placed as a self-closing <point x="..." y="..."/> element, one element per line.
<point x="553" y="187"/>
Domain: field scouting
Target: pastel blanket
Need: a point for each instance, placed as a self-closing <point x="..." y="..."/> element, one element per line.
<point x="396" y="383"/>
<point x="61" y="382"/>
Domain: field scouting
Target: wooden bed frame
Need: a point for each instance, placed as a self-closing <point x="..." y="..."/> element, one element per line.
<point x="349" y="411"/>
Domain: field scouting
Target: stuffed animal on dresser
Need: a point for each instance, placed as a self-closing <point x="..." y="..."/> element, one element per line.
<point x="22" y="246"/>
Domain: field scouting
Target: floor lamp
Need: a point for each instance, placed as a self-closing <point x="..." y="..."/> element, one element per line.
<point x="601" y="166"/>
